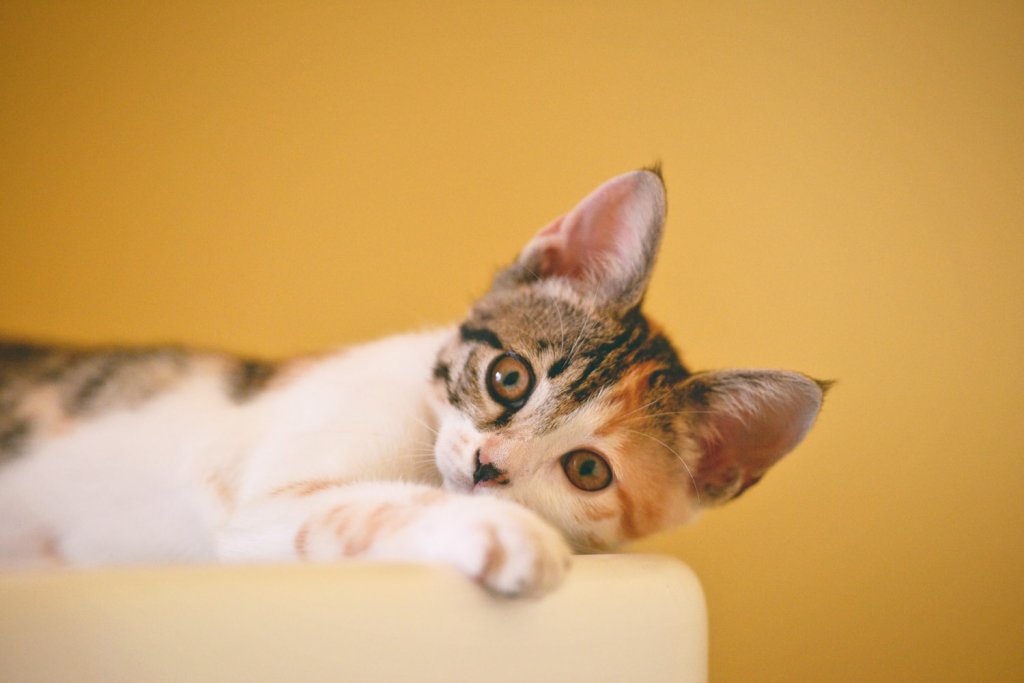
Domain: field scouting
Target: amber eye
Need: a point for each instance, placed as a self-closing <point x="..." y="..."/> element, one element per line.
<point x="509" y="380"/>
<point x="587" y="470"/>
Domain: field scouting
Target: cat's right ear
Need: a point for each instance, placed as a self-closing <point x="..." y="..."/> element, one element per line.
<point x="743" y="422"/>
<point x="605" y="246"/>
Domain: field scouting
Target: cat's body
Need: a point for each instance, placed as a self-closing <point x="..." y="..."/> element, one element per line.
<point x="181" y="452"/>
<point x="555" y="395"/>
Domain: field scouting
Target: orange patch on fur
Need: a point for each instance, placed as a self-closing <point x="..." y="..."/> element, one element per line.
<point x="358" y="545"/>
<point x="352" y="528"/>
<point x="495" y="557"/>
<point x="649" y="511"/>
<point x="50" y="552"/>
<point x="43" y="406"/>
<point x="314" y="529"/>
<point x="307" y="488"/>
<point x="593" y="543"/>
<point x="301" y="541"/>
<point x="382" y="521"/>
<point x="428" y="497"/>
<point x="368" y="532"/>
<point x="643" y="506"/>
<point x="598" y="514"/>
<point x="628" y="398"/>
<point x="290" y="370"/>
<point x="341" y="525"/>
<point x="627" y="514"/>
<point x="218" y="483"/>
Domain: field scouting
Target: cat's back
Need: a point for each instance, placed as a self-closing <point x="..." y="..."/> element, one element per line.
<point x="99" y="447"/>
<point x="67" y="395"/>
<point x="95" y="438"/>
<point x="47" y="391"/>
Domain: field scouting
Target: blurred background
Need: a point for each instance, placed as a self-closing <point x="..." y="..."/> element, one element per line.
<point x="846" y="198"/>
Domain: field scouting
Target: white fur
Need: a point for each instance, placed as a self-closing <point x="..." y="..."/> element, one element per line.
<point x="190" y="476"/>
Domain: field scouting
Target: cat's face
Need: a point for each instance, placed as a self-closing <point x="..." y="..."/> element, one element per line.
<point x="558" y="393"/>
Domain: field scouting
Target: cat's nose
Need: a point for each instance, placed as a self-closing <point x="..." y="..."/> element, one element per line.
<point x="487" y="473"/>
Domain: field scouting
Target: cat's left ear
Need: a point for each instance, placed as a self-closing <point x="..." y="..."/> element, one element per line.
<point x="605" y="246"/>
<point x="743" y="422"/>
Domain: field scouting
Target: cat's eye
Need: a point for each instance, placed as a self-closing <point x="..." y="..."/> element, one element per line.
<point x="587" y="470"/>
<point x="510" y="380"/>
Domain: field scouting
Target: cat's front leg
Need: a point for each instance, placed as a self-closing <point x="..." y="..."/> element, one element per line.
<point x="502" y="545"/>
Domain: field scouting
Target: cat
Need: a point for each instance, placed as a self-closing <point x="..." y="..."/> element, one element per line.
<point x="555" y="418"/>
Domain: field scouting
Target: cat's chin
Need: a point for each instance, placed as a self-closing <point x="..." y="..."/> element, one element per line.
<point x="458" y="485"/>
<point x="468" y="487"/>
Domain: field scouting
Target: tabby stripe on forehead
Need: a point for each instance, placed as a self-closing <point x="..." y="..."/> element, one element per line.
<point x="467" y="386"/>
<point x="442" y="372"/>
<point x="609" y="356"/>
<point x="558" y="367"/>
<point x="480" y="334"/>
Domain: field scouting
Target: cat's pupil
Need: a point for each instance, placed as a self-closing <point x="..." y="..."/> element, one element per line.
<point x="587" y="467"/>
<point x="511" y="379"/>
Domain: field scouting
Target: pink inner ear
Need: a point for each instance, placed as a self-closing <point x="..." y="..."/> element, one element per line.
<point x="603" y="236"/>
<point x="737" y="453"/>
<point x="742" y="436"/>
<point x="552" y="245"/>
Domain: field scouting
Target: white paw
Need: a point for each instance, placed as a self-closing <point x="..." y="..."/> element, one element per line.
<point x="505" y="547"/>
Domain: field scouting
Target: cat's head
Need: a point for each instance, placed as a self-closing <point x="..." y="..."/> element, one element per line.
<point x="558" y="393"/>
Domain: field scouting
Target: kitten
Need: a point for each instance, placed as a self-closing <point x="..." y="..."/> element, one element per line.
<point x="556" y="415"/>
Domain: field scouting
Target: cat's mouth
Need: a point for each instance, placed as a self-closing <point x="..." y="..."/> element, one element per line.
<point x="453" y="477"/>
<point x="459" y="485"/>
<point x="485" y="480"/>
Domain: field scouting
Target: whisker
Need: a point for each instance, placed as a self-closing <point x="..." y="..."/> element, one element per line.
<point x="574" y="349"/>
<point x="425" y="455"/>
<point x="561" y="324"/>
<point x="424" y="424"/>
<point x="637" y="418"/>
<point x="675" y="453"/>
<point x="637" y="410"/>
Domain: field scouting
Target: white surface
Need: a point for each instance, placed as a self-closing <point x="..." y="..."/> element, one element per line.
<point x="617" y="618"/>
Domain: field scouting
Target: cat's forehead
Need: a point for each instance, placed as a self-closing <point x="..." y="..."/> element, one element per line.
<point x="581" y="353"/>
<point x="530" y="320"/>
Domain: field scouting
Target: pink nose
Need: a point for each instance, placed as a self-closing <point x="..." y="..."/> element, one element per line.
<point x="486" y="473"/>
<point x="491" y="448"/>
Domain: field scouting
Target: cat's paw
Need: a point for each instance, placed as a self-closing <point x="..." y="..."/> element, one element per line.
<point x="505" y="547"/>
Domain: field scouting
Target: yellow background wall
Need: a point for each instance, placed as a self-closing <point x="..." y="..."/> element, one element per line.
<point x="846" y="188"/>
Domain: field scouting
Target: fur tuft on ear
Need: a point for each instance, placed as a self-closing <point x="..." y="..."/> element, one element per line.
<point x="605" y="246"/>
<point x="745" y="421"/>
<point x="655" y="168"/>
